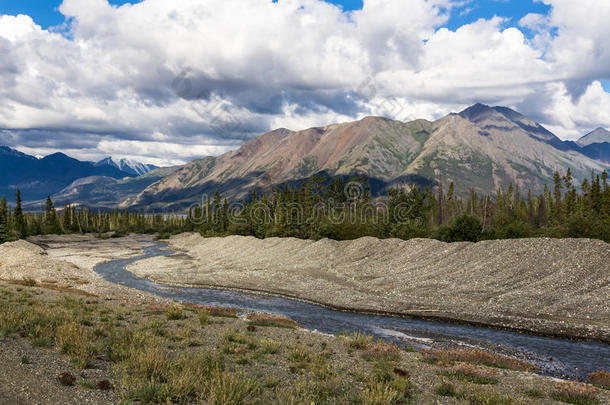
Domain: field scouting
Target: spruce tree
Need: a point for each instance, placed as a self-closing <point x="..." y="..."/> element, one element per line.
<point x="20" y="223"/>
<point x="4" y="230"/>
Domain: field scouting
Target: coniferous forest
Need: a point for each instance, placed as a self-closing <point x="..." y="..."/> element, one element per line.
<point x="343" y="209"/>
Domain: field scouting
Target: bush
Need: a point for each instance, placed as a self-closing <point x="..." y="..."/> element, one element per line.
<point x="359" y="340"/>
<point x="465" y="228"/>
<point x="600" y="378"/>
<point x="515" y="230"/>
<point x="575" y="393"/>
<point x="175" y="313"/>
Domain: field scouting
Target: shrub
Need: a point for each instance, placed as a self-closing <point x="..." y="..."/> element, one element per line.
<point x="575" y="393"/>
<point x="446" y="390"/>
<point x="600" y="378"/>
<point x="269" y="346"/>
<point x="77" y="342"/>
<point x="381" y="394"/>
<point x="515" y="230"/>
<point x="271" y="320"/>
<point x="175" y="313"/>
<point x="381" y="351"/>
<point x="534" y="393"/>
<point x="490" y="398"/>
<point x="475" y="356"/>
<point x="204" y="316"/>
<point x="28" y="282"/>
<point x="465" y="228"/>
<point x="471" y="373"/>
<point x="230" y="389"/>
<point x="359" y="340"/>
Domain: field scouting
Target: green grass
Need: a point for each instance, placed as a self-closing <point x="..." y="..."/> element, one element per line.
<point x="482" y="380"/>
<point x="535" y="393"/>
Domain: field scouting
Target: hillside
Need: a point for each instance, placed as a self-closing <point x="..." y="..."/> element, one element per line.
<point x="103" y="191"/>
<point x="482" y="148"/>
<point x="600" y="135"/>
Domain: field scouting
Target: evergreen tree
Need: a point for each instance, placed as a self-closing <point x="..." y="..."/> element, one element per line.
<point x="4" y="229"/>
<point x="19" y="217"/>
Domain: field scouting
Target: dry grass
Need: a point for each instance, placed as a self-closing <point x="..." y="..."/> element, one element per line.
<point x="212" y="310"/>
<point x="381" y="351"/>
<point x="575" y="393"/>
<point x="359" y="340"/>
<point x="475" y="356"/>
<point x="271" y="320"/>
<point x="600" y="378"/>
<point x="472" y="373"/>
<point x="67" y="289"/>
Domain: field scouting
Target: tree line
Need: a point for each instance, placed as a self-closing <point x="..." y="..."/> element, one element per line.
<point x="341" y="208"/>
<point x="17" y="224"/>
<point x="326" y="208"/>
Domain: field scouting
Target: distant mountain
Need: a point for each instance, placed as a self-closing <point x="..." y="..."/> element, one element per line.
<point x="600" y="135"/>
<point x="132" y="167"/>
<point x="38" y="178"/>
<point x="482" y="148"/>
<point x="104" y="192"/>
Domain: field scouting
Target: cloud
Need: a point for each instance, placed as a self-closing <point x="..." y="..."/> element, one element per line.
<point x="206" y="76"/>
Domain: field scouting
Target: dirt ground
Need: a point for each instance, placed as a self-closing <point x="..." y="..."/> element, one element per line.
<point x="558" y="287"/>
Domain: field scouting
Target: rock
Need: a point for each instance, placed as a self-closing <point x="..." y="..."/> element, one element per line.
<point x="66" y="379"/>
<point x="104" y="385"/>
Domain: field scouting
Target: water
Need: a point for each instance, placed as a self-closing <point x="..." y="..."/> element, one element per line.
<point x="555" y="357"/>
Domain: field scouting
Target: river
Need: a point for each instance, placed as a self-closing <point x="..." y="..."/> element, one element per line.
<point x="555" y="357"/>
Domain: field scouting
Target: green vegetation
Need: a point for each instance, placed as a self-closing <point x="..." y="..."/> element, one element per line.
<point x="339" y="209"/>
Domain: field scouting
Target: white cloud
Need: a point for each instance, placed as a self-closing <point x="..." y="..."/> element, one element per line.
<point x="253" y="65"/>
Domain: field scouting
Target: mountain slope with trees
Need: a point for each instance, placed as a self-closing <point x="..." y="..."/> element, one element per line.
<point x="482" y="147"/>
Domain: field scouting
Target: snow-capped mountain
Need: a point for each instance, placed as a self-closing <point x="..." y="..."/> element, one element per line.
<point x="129" y="166"/>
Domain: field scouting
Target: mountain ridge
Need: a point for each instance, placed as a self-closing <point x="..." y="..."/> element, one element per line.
<point x="481" y="148"/>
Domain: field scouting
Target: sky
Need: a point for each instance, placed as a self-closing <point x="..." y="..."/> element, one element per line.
<point x="166" y="82"/>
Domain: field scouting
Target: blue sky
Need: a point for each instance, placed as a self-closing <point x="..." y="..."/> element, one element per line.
<point x="45" y="12"/>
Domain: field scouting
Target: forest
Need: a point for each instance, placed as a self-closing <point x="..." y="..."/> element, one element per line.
<point x="341" y="208"/>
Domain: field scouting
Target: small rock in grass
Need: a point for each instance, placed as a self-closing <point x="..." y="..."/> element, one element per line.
<point x="104" y="385"/>
<point x="66" y="379"/>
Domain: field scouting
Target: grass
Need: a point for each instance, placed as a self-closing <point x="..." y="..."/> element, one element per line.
<point x="601" y="379"/>
<point x="25" y="360"/>
<point x="381" y="351"/>
<point x="175" y="313"/>
<point x="471" y="373"/>
<point x="269" y="346"/>
<point x="381" y="394"/>
<point x="204" y="317"/>
<point x="212" y="310"/>
<point x="490" y="398"/>
<point x="475" y="356"/>
<point x="272" y="321"/>
<point x="359" y="340"/>
<point x="447" y="389"/>
<point x="575" y="393"/>
<point x="163" y="355"/>
<point x="535" y="392"/>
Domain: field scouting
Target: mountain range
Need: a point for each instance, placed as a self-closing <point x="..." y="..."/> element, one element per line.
<point x="481" y="148"/>
<point x="38" y="178"/>
<point x="131" y="167"/>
